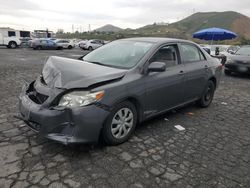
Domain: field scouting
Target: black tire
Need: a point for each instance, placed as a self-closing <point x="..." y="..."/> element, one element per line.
<point x="90" y="48"/>
<point x="70" y="47"/>
<point x="12" y="44"/>
<point x="207" y="96"/>
<point x="227" y="72"/>
<point x="39" y="48"/>
<point x="107" y="134"/>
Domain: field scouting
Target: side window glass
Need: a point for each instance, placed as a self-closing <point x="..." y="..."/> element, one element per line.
<point x="11" y="33"/>
<point x="51" y="42"/>
<point x="190" y="53"/>
<point x="166" y="54"/>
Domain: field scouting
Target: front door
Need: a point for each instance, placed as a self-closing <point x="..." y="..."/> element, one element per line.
<point x="164" y="90"/>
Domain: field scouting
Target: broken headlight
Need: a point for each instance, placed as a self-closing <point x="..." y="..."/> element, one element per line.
<point x="80" y="98"/>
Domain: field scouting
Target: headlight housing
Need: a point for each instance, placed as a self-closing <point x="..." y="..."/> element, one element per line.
<point x="80" y="98"/>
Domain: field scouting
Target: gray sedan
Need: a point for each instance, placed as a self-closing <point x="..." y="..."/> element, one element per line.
<point x="45" y="44"/>
<point x="114" y="88"/>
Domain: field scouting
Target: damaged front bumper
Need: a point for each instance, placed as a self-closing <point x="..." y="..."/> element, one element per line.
<point x="65" y="125"/>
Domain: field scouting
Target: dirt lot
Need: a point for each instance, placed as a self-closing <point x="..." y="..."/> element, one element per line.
<point x="213" y="151"/>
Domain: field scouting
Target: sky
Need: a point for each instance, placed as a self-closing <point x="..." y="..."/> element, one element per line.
<point x="63" y="14"/>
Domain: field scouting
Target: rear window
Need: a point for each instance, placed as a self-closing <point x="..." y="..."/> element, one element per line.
<point x="190" y="53"/>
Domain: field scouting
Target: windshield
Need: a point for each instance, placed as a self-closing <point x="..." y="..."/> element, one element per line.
<point x="243" y="51"/>
<point x="120" y="54"/>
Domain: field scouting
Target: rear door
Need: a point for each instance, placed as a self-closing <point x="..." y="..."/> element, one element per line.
<point x="44" y="44"/>
<point x="196" y="68"/>
<point x="164" y="90"/>
<point x="51" y="45"/>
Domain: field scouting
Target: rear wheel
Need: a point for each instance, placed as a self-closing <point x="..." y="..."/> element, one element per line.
<point x="120" y="124"/>
<point x="90" y="48"/>
<point x="69" y="47"/>
<point x="12" y="44"/>
<point x="227" y="72"/>
<point x="208" y="94"/>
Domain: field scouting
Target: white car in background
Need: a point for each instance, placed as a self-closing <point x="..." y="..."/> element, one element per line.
<point x="82" y="43"/>
<point x="93" y="44"/>
<point x="65" y="43"/>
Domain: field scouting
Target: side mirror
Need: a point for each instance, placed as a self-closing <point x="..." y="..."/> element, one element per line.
<point x="157" y="67"/>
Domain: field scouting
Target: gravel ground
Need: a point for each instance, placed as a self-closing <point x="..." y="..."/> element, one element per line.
<point x="212" y="151"/>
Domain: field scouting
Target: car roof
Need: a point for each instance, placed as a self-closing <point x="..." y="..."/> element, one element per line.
<point x="156" y="39"/>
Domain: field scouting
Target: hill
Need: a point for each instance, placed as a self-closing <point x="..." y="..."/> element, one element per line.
<point x="108" y="28"/>
<point x="233" y="21"/>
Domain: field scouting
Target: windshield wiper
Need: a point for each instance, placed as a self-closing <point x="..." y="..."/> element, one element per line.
<point x="96" y="62"/>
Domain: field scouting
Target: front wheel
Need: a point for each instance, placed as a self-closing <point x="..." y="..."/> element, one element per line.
<point x="90" y="48"/>
<point x="208" y="94"/>
<point x="12" y="45"/>
<point x="70" y="47"/>
<point x="120" y="124"/>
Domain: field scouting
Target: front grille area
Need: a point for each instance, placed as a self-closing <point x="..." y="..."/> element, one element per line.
<point x="34" y="126"/>
<point x="42" y="80"/>
<point x="36" y="97"/>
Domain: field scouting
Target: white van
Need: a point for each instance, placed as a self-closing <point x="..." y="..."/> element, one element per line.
<point x="9" y="38"/>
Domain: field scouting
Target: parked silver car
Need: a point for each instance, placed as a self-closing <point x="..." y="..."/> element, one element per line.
<point x="65" y="43"/>
<point x="93" y="44"/>
<point x="116" y="87"/>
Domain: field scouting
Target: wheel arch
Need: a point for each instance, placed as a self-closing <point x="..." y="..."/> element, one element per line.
<point x="12" y="41"/>
<point x="214" y="80"/>
<point x="136" y="102"/>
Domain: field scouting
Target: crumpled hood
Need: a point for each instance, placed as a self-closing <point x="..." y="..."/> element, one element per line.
<point x="68" y="73"/>
<point x="240" y="58"/>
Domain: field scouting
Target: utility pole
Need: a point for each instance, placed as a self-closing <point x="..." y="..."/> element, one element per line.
<point x="73" y="28"/>
<point x="89" y="28"/>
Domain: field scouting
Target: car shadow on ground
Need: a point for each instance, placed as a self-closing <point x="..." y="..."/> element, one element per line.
<point x="149" y="127"/>
<point x="237" y="75"/>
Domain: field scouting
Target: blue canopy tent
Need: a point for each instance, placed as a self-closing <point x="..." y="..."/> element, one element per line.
<point x="214" y="34"/>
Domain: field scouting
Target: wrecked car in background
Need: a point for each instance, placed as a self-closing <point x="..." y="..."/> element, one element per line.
<point x="117" y="86"/>
<point x="239" y="62"/>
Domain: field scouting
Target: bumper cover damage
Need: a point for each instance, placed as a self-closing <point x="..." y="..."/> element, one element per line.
<point x="65" y="125"/>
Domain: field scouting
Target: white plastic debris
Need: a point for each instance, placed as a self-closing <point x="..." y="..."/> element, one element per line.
<point x="22" y="125"/>
<point x="166" y="119"/>
<point x="179" y="127"/>
<point x="223" y="103"/>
